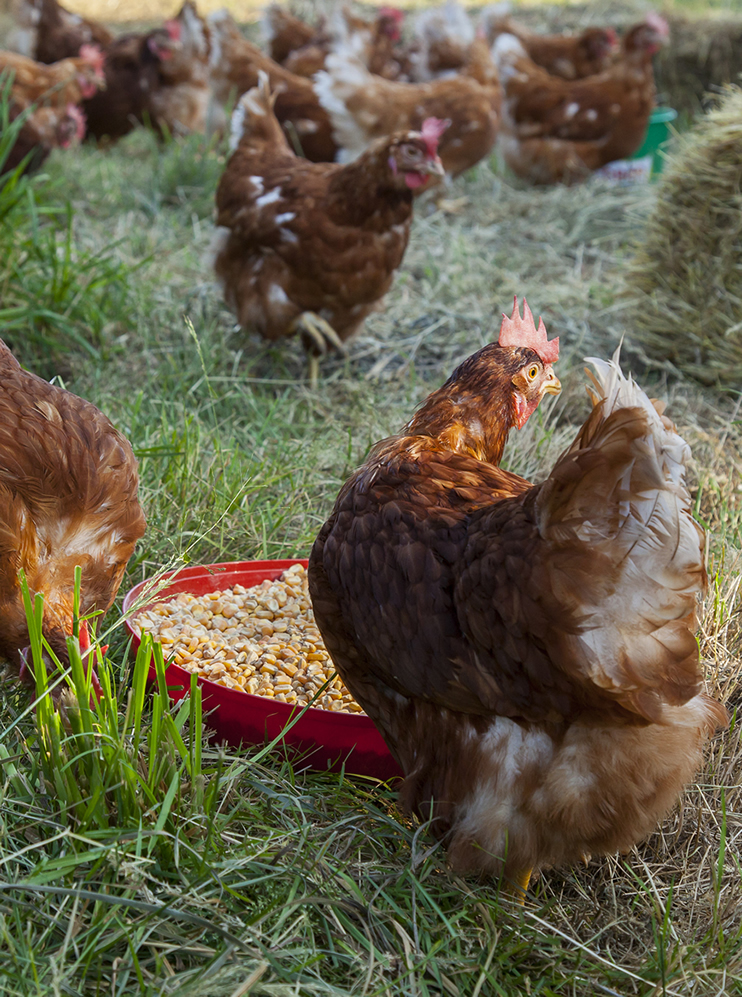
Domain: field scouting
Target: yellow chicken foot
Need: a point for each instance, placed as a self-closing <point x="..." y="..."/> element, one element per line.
<point x="320" y="335"/>
<point x="518" y="885"/>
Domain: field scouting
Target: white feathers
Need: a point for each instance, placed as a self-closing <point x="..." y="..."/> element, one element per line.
<point x="506" y="51"/>
<point x="270" y="198"/>
<point x="343" y="77"/>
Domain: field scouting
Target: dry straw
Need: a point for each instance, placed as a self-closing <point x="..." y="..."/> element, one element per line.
<point x="685" y="282"/>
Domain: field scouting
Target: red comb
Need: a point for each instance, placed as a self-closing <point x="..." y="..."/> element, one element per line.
<point x="517" y="331"/>
<point x="173" y="29"/>
<point x="431" y="131"/>
<point x="393" y="12"/>
<point x="84" y="636"/>
<point x="93" y="55"/>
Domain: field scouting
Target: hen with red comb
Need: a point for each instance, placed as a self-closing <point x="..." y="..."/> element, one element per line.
<point x="311" y="248"/>
<point x="526" y="651"/>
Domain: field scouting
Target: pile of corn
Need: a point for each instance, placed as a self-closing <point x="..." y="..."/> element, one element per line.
<point x="262" y="640"/>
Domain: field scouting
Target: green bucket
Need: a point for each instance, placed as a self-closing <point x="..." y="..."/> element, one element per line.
<point x="658" y="134"/>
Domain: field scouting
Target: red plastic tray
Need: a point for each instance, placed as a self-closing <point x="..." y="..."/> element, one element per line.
<point x="321" y="739"/>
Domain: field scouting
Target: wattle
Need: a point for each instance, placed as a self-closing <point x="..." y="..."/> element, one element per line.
<point x="414" y="180"/>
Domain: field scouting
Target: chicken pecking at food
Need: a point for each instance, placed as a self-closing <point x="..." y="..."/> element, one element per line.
<point x="68" y="496"/>
<point x="42" y="129"/>
<point x="313" y="247"/>
<point x="559" y="130"/>
<point x="527" y="651"/>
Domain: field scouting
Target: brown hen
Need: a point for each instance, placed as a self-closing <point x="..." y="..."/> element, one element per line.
<point x="50" y="32"/>
<point x="363" y="107"/>
<point x="313" y="247"/>
<point x="527" y="651"/>
<point x="56" y="85"/>
<point x="573" y="57"/>
<point x="68" y="496"/>
<point x="560" y="130"/>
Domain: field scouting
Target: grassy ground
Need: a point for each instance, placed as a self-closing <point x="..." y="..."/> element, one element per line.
<point x="239" y="875"/>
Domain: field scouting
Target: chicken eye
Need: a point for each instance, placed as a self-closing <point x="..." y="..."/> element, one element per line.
<point x="532" y="372"/>
<point x="412" y="151"/>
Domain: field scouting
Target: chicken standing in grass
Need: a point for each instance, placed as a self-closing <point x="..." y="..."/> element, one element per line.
<point x="527" y="651"/>
<point x="68" y="496"/>
<point x="312" y="248"/>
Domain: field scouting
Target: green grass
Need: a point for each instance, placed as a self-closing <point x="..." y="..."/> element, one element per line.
<point x="129" y="864"/>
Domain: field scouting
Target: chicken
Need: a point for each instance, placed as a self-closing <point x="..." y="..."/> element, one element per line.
<point x="235" y="63"/>
<point x="527" y="651"/>
<point x="313" y="247"/>
<point x="285" y="33"/>
<point x="133" y="71"/>
<point x="442" y="39"/>
<point x="68" y="496"/>
<point x="47" y="32"/>
<point x="364" y="107"/>
<point x="572" y="57"/>
<point x="43" y="129"/>
<point x="182" y="103"/>
<point x="56" y="85"/>
<point x="372" y="41"/>
<point x="559" y="130"/>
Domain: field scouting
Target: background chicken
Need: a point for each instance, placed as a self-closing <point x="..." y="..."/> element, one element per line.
<point x="310" y="247"/>
<point x="570" y="56"/>
<point x="132" y="75"/>
<point x="284" y="33"/>
<point x="48" y="32"/>
<point x="442" y="36"/>
<point x="59" y="84"/>
<point x="526" y="651"/>
<point x="373" y="41"/>
<point x="68" y="496"/>
<point x="560" y="130"/>
<point x="364" y="107"/>
<point x="235" y="63"/>
<point x="43" y="129"/>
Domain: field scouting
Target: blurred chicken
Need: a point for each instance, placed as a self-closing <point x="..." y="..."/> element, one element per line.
<point x="68" y="496"/>
<point x="183" y="101"/>
<point x="285" y="33"/>
<point x="142" y="88"/>
<point x="527" y="651"/>
<point x="43" y="129"/>
<point x="559" y="130"/>
<point x="372" y="41"/>
<point x="235" y="64"/>
<point x="47" y="32"/>
<point x="56" y="85"/>
<point x="364" y="107"/>
<point x="312" y="247"/>
<point x="442" y="36"/>
<point x="572" y="57"/>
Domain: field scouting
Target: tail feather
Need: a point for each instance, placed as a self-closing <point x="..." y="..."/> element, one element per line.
<point x="629" y="555"/>
<point x="253" y="119"/>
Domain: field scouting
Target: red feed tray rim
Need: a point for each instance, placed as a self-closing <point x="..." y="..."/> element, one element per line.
<point x="198" y="580"/>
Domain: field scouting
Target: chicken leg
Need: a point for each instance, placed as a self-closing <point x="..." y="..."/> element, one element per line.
<point x="518" y="885"/>
<point x="320" y="335"/>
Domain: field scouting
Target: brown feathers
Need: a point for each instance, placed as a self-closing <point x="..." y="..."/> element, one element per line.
<point x="526" y="651"/>
<point x="68" y="496"/>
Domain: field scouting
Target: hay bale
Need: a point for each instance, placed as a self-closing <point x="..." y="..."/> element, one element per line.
<point x="703" y="56"/>
<point x="685" y="283"/>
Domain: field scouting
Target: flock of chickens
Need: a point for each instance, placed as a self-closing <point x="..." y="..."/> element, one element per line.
<point x="527" y="651"/>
